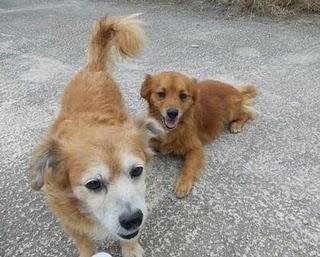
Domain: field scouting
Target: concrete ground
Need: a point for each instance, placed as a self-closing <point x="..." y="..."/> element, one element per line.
<point x="260" y="190"/>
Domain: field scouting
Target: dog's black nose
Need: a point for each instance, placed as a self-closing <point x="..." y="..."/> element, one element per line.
<point x="172" y="113"/>
<point x="131" y="221"/>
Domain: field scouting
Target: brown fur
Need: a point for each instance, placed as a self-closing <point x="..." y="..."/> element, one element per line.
<point x="209" y="106"/>
<point x="93" y="125"/>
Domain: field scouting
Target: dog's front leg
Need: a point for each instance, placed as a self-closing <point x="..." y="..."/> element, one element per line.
<point x="131" y="249"/>
<point x="194" y="160"/>
<point x="84" y="244"/>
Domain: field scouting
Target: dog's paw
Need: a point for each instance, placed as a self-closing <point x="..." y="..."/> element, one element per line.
<point x="132" y="249"/>
<point x="184" y="186"/>
<point x="235" y="127"/>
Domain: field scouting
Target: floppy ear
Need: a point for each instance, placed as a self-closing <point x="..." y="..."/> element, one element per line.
<point x="44" y="158"/>
<point x="195" y="94"/>
<point x="145" y="88"/>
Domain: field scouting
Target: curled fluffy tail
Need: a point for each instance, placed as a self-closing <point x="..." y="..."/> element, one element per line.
<point x="249" y="93"/>
<point x="124" y="33"/>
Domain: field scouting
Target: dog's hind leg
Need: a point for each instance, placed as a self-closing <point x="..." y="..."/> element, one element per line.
<point x="236" y="125"/>
<point x="247" y="113"/>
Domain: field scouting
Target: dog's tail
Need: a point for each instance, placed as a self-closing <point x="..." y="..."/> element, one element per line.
<point x="124" y="33"/>
<point x="249" y="93"/>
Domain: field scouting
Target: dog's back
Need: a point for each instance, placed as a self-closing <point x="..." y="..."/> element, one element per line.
<point x="93" y="90"/>
<point x="219" y="103"/>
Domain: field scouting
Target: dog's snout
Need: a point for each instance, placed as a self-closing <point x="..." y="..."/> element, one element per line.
<point x="131" y="221"/>
<point x="172" y="113"/>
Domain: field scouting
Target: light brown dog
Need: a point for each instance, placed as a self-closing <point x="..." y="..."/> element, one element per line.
<point x="92" y="163"/>
<point x="193" y="114"/>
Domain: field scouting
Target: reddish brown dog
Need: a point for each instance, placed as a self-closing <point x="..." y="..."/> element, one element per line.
<point x="194" y="113"/>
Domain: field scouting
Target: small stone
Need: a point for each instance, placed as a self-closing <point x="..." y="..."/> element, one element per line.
<point x="195" y="46"/>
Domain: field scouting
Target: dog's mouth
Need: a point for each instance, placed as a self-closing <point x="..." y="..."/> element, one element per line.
<point x="170" y="123"/>
<point x="129" y="236"/>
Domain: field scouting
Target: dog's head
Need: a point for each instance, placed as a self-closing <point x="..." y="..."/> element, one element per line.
<point x="170" y="96"/>
<point x="102" y="169"/>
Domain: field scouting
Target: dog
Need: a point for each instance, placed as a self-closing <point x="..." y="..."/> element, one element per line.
<point x="193" y="113"/>
<point x="92" y="163"/>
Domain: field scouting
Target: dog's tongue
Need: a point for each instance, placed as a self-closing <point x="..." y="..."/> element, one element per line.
<point x="170" y="123"/>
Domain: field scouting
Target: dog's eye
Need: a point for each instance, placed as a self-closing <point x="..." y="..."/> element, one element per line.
<point x="94" y="185"/>
<point x="136" y="172"/>
<point x="161" y="94"/>
<point x="183" y="96"/>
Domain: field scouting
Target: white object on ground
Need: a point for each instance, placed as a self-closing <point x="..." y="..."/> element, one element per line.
<point x="102" y="255"/>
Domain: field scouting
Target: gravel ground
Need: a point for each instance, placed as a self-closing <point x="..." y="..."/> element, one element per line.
<point x="259" y="194"/>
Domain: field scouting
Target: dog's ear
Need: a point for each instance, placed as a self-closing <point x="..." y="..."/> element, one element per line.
<point x="145" y="88"/>
<point x="195" y="93"/>
<point x="44" y="158"/>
